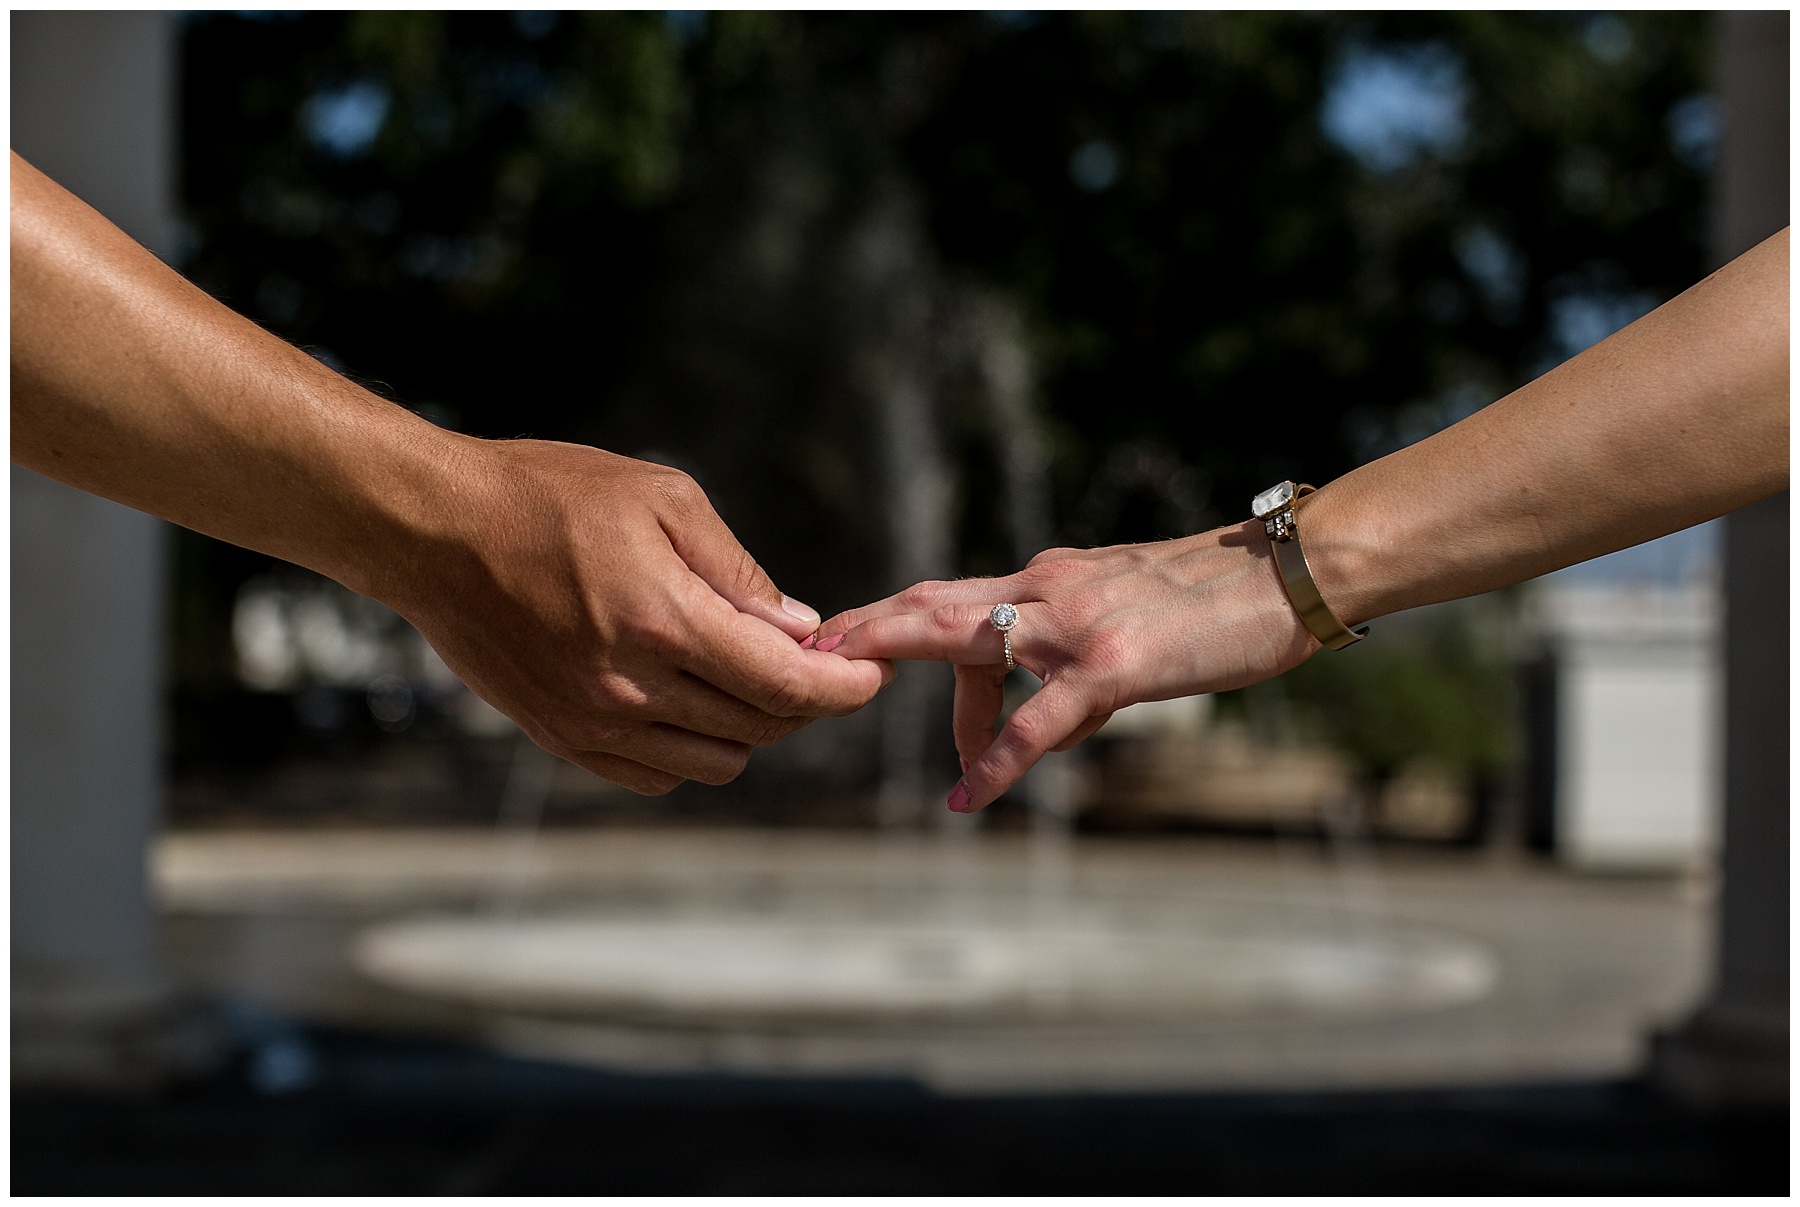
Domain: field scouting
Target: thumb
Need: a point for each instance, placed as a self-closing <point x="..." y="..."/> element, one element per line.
<point x="702" y="540"/>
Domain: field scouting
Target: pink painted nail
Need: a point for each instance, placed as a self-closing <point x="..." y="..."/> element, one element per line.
<point x="798" y="610"/>
<point x="959" y="797"/>
<point x="811" y="640"/>
<point x="831" y="643"/>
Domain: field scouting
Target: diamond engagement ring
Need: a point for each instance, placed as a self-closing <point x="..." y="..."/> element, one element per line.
<point x="1004" y="618"/>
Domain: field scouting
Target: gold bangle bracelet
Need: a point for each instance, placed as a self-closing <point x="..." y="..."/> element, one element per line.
<point x="1296" y="576"/>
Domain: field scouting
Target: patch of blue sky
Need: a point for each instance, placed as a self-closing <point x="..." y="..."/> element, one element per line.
<point x="1017" y="19"/>
<point x="1609" y="39"/>
<point x="1390" y="105"/>
<point x="1095" y="166"/>
<point x="688" y="25"/>
<point x="1578" y="321"/>
<point x="1682" y="559"/>
<point x="535" y="23"/>
<point x="1694" y="131"/>
<point x="1496" y="267"/>
<point x="1688" y="558"/>
<point x="345" y="121"/>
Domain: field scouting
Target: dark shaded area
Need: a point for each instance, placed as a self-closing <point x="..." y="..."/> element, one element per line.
<point x="392" y="1117"/>
<point x="656" y="233"/>
<point x="1538" y="689"/>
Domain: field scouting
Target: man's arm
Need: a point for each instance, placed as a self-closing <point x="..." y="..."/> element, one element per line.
<point x="598" y="601"/>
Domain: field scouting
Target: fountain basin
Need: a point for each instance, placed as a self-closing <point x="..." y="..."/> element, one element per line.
<point x="729" y="969"/>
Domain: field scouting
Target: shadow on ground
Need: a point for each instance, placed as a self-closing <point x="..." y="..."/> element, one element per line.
<point x="384" y="1116"/>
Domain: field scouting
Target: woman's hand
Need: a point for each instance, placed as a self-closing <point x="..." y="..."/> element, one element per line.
<point x="1680" y="417"/>
<point x="1102" y="628"/>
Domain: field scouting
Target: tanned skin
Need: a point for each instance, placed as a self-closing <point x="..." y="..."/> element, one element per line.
<point x="598" y="601"/>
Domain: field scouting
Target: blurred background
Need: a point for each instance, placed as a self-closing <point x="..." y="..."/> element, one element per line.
<point x="912" y="296"/>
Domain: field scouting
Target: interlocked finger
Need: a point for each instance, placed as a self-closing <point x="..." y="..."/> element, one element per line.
<point x="688" y="702"/>
<point x="627" y="773"/>
<point x="674" y="751"/>
<point x="752" y="660"/>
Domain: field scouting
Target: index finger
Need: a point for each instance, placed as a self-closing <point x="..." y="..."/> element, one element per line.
<point x="949" y="633"/>
<point x="923" y="597"/>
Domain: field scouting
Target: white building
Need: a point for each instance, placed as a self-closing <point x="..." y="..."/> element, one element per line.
<point x="1634" y="643"/>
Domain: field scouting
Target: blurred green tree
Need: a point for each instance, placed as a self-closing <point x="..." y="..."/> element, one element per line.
<point x="1244" y="245"/>
<point x="1438" y="691"/>
<point x="1282" y="244"/>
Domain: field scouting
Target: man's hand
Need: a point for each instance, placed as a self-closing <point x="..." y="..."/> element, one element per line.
<point x="602" y="604"/>
<point x="596" y="600"/>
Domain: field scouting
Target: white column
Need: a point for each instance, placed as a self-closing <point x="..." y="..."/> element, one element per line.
<point x="1637" y="721"/>
<point x="1732" y="1053"/>
<point x="92" y="106"/>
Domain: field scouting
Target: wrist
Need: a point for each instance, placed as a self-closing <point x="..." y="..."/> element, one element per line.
<point x="1266" y="592"/>
<point x="408" y="502"/>
<point x="1344" y="550"/>
<point x="1236" y="594"/>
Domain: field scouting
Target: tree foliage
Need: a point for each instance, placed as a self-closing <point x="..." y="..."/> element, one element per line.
<point x="1226" y="282"/>
<point x="643" y="230"/>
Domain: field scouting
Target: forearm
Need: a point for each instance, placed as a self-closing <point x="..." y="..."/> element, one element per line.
<point x="129" y="382"/>
<point x="1681" y="417"/>
<point x="597" y="600"/>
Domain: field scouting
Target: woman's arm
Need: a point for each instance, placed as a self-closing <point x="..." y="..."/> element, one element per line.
<point x="1680" y="417"/>
<point x="598" y="601"/>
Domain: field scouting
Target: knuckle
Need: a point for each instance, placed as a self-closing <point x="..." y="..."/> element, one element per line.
<point x="786" y="696"/>
<point x="746" y="575"/>
<point x="949" y="620"/>
<point x="1028" y="733"/>
<point x="767" y="730"/>
<point x="615" y="694"/>
<point x="633" y="776"/>
<point x="677" y="489"/>
<point x="921" y="597"/>
<point x="598" y="734"/>
<point x="1051" y="557"/>
<point x="1047" y="576"/>
<point x="726" y="767"/>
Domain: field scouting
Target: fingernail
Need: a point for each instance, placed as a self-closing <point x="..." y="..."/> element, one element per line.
<point x="812" y="639"/>
<point x="798" y="610"/>
<point x="964" y="762"/>
<point x="831" y="643"/>
<point x="959" y="797"/>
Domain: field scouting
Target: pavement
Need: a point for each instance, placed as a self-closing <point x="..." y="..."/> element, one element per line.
<point x="1308" y="967"/>
<point x="389" y="1116"/>
<point x="347" y="1077"/>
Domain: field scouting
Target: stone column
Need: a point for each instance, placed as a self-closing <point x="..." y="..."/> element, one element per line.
<point x="1733" y="1052"/>
<point x="92" y="106"/>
